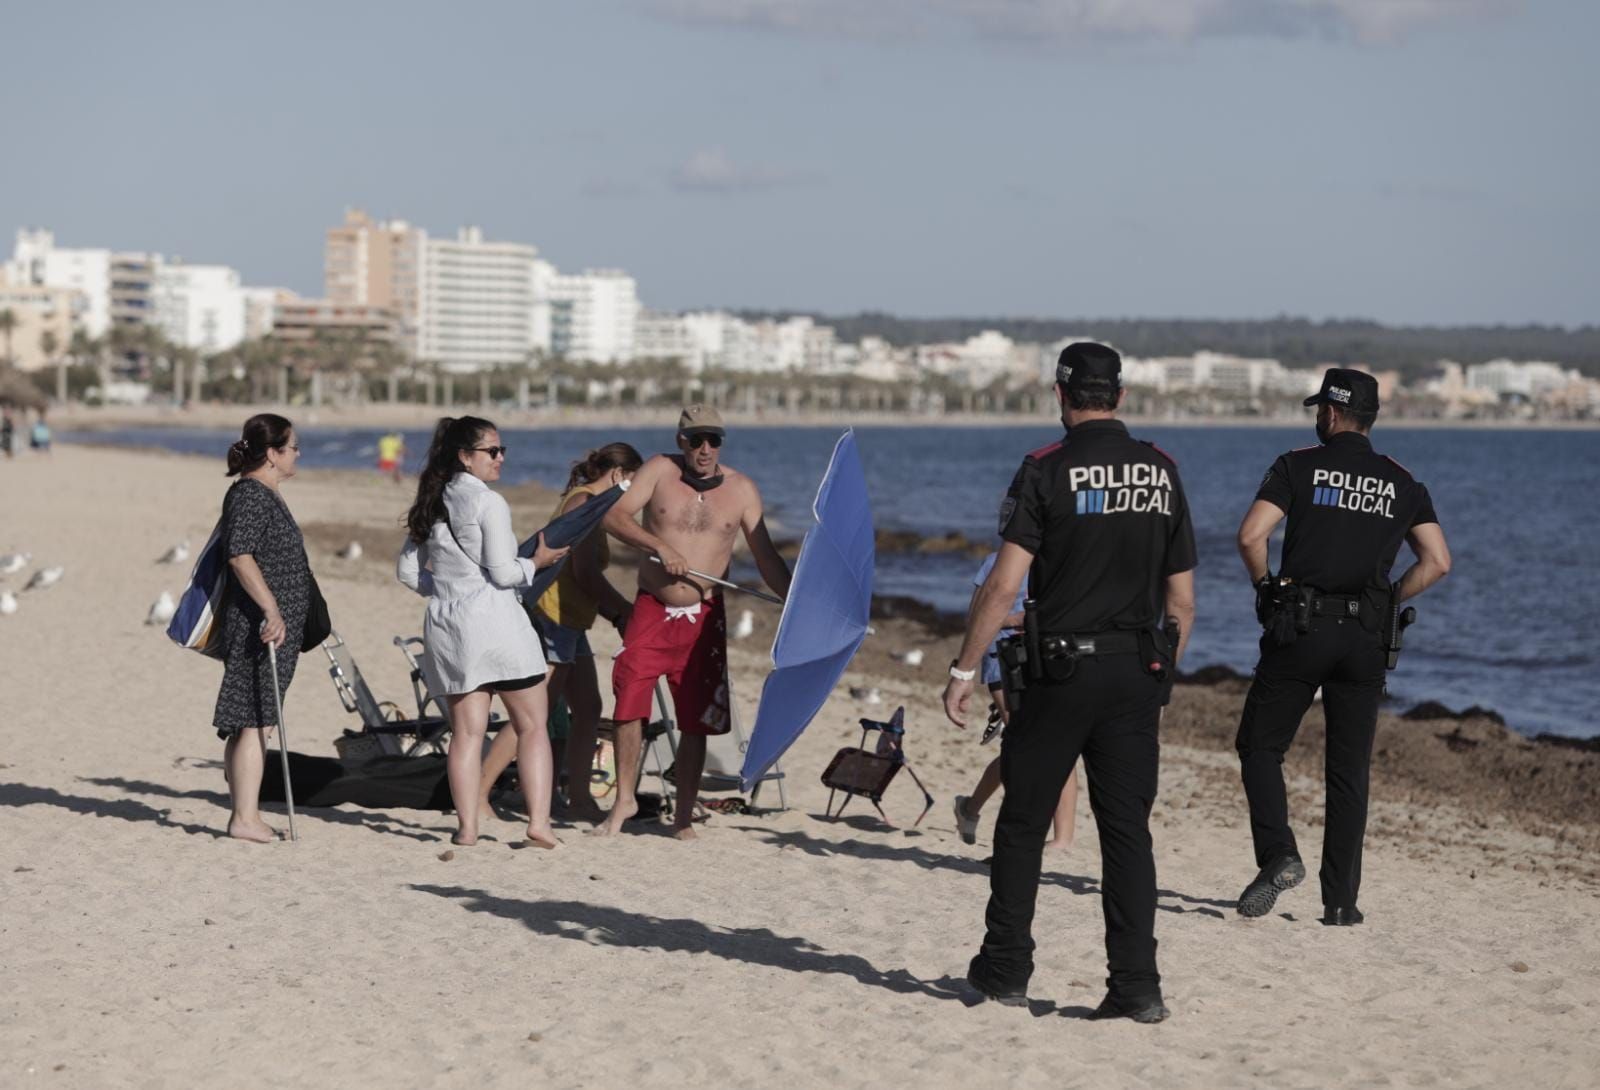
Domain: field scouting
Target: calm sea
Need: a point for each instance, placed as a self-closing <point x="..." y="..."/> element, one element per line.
<point x="1507" y="630"/>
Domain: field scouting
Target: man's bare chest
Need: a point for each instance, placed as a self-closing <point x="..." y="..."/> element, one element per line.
<point x="680" y="510"/>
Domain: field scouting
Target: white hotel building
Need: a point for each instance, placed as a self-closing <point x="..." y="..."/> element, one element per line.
<point x="198" y="306"/>
<point x="594" y="316"/>
<point x="475" y="309"/>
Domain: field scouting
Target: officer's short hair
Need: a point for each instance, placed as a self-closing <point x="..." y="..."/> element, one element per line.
<point x="1363" y="420"/>
<point x="1098" y="399"/>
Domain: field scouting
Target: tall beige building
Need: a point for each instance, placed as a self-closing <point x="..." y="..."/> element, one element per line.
<point x="377" y="264"/>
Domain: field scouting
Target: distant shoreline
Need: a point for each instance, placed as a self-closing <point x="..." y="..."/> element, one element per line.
<point x="405" y="415"/>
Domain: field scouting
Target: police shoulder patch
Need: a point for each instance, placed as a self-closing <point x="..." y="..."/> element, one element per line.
<point x="1008" y="507"/>
<point x="1049" y="448"/>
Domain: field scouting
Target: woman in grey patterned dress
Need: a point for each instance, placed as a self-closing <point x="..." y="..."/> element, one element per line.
<point x="266" y="607"/>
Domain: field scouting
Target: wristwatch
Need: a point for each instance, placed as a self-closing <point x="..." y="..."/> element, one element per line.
<point x="960" y="674"/>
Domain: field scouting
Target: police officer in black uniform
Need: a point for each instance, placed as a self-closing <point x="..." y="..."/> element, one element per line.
<point x="1099" y="524"/>
<point x="1330" y="617"/>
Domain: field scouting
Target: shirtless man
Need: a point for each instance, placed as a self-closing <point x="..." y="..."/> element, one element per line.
<point x="677" y="629"/>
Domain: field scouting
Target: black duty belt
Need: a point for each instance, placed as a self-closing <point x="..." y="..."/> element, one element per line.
<point x="1084" y="646"/>
<point x="1335" y="605"/>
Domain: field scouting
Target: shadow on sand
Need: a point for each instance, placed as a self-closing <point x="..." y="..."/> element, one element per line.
<point x="1080" y="885"/>
<point x="603" y="925"/>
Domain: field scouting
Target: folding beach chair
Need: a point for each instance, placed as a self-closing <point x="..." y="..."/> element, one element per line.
<point x="385" y="728"/>
<point x="416" y="653"/>
<point x="857" y="770"/>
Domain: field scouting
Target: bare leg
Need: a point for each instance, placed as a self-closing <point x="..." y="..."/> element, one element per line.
<point x="469" y="719"/>
<point x="501" y="753"/>
<point x="629" y="745"/>
<point x="530" y="712"/>
<point x="988" y="784"/>
<point x="583" y="702"/>
<point x="691" y="762"/>
<point x="1066" y="821"/>
<point x="244" y="759"/>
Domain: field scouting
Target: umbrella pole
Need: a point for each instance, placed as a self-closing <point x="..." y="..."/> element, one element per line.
<point x="283" y="738"/>
<point x="763" y="595"/>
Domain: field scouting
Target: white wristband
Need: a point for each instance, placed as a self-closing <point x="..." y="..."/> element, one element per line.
<point x="960" y="674"/>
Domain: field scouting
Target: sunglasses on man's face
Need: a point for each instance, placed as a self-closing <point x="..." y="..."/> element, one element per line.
<point x="492" y="452"/>
<point x="696" y="441"/>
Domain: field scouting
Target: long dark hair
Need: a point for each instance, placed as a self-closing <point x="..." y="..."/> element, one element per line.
<point x="453" y="435"/>
<point x="262" y="432"/>
<point x="602" y="460"/>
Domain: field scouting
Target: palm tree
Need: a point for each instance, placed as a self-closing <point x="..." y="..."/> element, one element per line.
<point x="8" y="323"/>
<point x="50" y="344"/>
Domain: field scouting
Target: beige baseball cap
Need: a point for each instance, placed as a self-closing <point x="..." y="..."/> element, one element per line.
<point x="700" y="418"/>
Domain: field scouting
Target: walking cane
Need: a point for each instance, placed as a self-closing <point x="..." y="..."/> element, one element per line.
<point x="283" y="738"/>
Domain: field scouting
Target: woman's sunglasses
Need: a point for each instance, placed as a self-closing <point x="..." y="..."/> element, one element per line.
<point x="697" y="440"/>
<point x="492" y="452"/>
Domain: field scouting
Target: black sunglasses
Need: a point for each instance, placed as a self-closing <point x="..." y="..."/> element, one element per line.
<point x="492" y="452"/>
<point x="695" y="441"/>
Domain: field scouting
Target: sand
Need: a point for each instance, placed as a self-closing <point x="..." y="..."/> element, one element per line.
<point x="139" y="948"/>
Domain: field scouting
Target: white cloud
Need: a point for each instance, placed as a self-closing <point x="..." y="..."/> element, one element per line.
<point x="711" y="170"/>
<point x="1370" y="21"/>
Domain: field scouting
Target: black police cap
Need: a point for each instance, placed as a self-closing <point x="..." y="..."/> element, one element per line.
<point x="1347" y="389"/>
<point x="1085" y="365"/>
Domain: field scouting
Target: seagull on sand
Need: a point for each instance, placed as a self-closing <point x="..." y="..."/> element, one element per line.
<point x="8" y="602"/>
<point x="351" y="551"/>
<point x="163" y="609"/>
<point x="744" y="626"/>
<point x="869" y="696"/>
<point x="12" y="563"/>
<point x="177" y="554"/>
<point x="912" y="657"/>
<point x="45" y="577"/>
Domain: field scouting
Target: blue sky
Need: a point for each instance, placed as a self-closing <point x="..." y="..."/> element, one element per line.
<point x="1413" y="161"/>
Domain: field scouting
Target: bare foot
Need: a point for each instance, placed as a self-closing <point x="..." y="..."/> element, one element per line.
<point x="685" y="833"/>
<point x="1058" y="845"/>
<point x="542" y="838"/>
<point x="464" y="839"/>
<point x="613" y="823"/>
<point x="257" y="831"/>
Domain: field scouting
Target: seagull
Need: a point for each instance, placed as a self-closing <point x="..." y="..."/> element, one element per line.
<point x="162" y="611"/>
<point x="45" y="577"/>
<point x="14" y="562"/>
<point x="744" y="626"/>
<point x="8" y="602"/>
<point x="177" y="554"/>
<point x="870" y="696"/>
<point x="351" y="551"/>
<point x="912" y="657"/>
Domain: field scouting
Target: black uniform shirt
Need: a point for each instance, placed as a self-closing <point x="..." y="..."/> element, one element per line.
<point x="1349" y="508"/>
<point x="1105" y="517"/>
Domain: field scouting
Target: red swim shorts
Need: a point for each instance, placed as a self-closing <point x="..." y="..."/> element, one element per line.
<point x="691" y="652"/>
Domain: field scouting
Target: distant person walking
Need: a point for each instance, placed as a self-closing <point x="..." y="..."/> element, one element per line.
<point x="39" y="438"/>
<point x="563" y="616"/>
<point x="461" y="554"/>
<point x="391" y="454"/>
<point x="8" y="431"/>
<point x="968" y="809"/>
<point x="264" y="612"/>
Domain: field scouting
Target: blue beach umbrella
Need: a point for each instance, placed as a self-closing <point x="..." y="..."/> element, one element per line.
<point x="564" y="530"/>
<point x="825" y="616"/>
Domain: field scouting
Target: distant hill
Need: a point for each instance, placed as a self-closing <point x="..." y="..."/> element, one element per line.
<point x="1298" y="342"/>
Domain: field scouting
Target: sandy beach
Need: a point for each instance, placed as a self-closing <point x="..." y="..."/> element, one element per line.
<point x="141" y="948"/>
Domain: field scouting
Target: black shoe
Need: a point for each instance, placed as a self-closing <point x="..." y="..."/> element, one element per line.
<point x="1341" y="916"/>
<point x="1147" y="1011"/>
<point x="1276" y="877"/>
<point x="1012" y="995"/>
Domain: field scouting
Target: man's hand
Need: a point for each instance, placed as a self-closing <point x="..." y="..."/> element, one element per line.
<point x="957" y="697"/>
<point x="673" y="561"/>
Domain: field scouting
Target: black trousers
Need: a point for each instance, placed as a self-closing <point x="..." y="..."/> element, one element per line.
<point x="1347" y="662"/>
<point x="1109" y="713"/>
